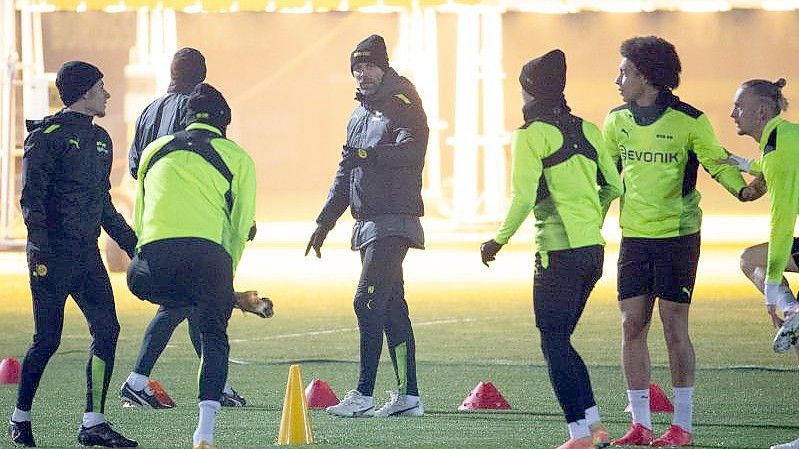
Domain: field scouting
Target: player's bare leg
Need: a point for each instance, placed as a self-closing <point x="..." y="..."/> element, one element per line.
<point x="753" y="265"/>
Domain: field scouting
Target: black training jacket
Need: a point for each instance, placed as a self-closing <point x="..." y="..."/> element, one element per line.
<point x="165" y="115"/>
<point x="392" y="126"/>
<point x="65" y="186"/>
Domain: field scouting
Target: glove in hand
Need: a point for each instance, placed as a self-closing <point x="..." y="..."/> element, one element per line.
<point x="317" y="239"/>
<point x="249" y="301"/>
<point x="489" y="250"/>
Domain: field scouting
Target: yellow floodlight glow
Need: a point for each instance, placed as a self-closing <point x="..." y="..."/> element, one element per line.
<point x="115" y="8"/>
<point x="780" y="5"/>
<point x="194" y="8"/>
<point x="624" y="6"/>
<point x="547" y="7"/>
<point x="82" y="7"/>
<point x="704" y="6"/>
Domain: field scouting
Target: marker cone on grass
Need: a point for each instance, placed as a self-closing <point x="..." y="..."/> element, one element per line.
<point x="295" y="423"/>
<point x="9" y="371"/>
<point x="485" y="396"/>
<point x="319" y="394"/>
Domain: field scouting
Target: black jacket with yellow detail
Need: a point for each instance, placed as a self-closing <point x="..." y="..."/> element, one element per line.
<point x="65" y="186"/>
<point x="391" y="126"/>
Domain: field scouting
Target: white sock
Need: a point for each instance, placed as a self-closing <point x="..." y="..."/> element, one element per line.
<point x="20" y="415"/>
<point x="137" y="381"/>
<point x="91" y="419"/>
<point x="207" y="421"/>
<point x="592" y="415"/>
<point x="786" y="301"/>
<point x="683" y="407"/>
<point x="639" y="403"/>
<point x="579" y="429"/>
<point x="228" y="389"/>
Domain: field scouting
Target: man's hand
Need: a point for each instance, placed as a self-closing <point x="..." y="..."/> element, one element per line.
<point x="352" y="157"/>
<point x="489" y="250"/>
<point x="317" y="239"/>
<point x="249" y="301"/>
<point x="775" y="319"/>
<point x="754" y="190"/>
<point x="741" y="163"/>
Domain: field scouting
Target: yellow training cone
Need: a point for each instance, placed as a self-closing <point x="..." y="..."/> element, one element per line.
<point x="295" y="425"/>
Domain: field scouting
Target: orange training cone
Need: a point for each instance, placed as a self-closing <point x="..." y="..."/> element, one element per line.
<point x="295" y="424"/>
<point x="320" y="395"/>
<point x="484" y="396"/>
<point x="658" y="401"/>
<point x="160" y="394"/>
<point x="9" y="371"/>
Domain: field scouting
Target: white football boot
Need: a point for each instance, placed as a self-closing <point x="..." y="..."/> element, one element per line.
<point x="401" y="405"/>
<point x="788" y="334"/>
<point x="353" y="405"/>
<point x="792" y="445"/>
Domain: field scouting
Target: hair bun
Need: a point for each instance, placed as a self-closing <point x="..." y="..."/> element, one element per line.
<point x="780" y="83"/>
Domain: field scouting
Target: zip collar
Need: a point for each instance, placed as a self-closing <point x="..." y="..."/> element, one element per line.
<point x="204" y="126"/>
<point x="767" y="130"/>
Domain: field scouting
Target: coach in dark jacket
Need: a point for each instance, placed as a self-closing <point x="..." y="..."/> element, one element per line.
<point x="380" y="179"/>
<point x="166" y="115"/>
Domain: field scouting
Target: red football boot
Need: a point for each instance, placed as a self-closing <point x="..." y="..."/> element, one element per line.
<point x="676" y="436"/>
<point x="638" y="435"/>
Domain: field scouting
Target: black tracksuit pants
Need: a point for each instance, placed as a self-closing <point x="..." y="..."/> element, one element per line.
<point x="84" y="277"/>
<point x="380" y="307"/>
<point x="560" y="293"/>
<point x="159" y="332"/>
<point x="182" y="272"/>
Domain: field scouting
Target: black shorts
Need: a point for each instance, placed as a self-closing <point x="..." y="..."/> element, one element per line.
<point x="663" y="268"/>
<point x="795" y="251"/>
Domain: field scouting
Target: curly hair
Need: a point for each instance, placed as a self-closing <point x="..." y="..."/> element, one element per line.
<point x="771" y="91"/>
<point x="655" y="58"/>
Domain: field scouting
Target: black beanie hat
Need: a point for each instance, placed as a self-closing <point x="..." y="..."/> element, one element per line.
<point x="207" y="105"/>
<point x="372" y="49"/>
<point x="74" y="79"/>
<point x="545" y="77"/>
<point x="188" y="66"/>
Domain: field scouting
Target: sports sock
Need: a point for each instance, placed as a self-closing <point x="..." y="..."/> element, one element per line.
<point x="592" y="415"/>
<point x="91" y="419"/>
<point x="228" y="389"/>
<point x="137" y="381"/>
<point x="639" y="403"/>
<point x="20" y="415"/>
<point x="579" y="429"/>
<point x="683" y="407"/>
<point x="786" y="301"/>
<point x="207" y="421"/>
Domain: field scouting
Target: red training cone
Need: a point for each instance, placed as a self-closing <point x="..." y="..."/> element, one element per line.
<point x="320" y="395"/>
<point x="9" y="371"/>
<point x="658" y="401"/>
<point x="160" y="394"/>
<point x="484" y="396"/>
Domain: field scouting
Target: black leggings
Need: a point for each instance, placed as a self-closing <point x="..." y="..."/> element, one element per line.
<point x="381" y="307"/>
<point x="183" y="272"/>
<point x="85" y="278"/>
<point x="560" y="292"/>
<point x="159" y="332"/>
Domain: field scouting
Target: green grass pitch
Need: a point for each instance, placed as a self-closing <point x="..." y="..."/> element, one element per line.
<point x="466" y="331"/>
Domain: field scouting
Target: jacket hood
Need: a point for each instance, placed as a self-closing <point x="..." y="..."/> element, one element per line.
<point x="62" y="117"/>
